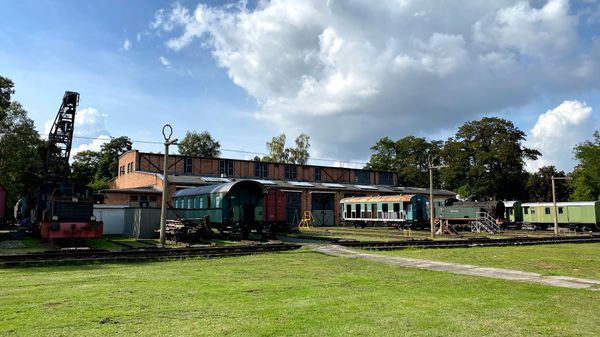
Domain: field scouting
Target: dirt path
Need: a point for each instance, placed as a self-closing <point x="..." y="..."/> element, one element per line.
<point x="464" y="269"/>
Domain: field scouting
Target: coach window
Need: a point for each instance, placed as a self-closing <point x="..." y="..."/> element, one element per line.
<point x="533" y="211"/>
<point x="525" y="210"/>
<point x="547" y="210"/>
<point x="560" y="210"/>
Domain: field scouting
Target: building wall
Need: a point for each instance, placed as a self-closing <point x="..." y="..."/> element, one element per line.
<point x="134" y="161"/>
<point x="142" y="170"/>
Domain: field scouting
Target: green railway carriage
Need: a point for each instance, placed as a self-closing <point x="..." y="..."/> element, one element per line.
<point x="389" y="210"/>
<point x="233" y="206"/>
<point x="583" y="215"/>
<point x="513" y="212"/>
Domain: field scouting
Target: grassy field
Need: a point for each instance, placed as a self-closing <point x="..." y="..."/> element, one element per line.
<point x="286" y="294"/>
<point x="577" y="260"/>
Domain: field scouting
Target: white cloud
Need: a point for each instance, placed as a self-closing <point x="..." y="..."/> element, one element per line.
<point x="164" y="61"/>
<point x="94" y="145"/>
<point x="138" y="37"/>
<point x="390" y="69"/>
<point x="126" y="44"/>
<point x="556" y="133"/>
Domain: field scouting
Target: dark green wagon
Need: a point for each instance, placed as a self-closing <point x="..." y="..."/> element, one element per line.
<point x="234" y="206"/>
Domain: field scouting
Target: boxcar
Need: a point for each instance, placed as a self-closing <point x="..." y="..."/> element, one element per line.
<point x="275" y="210"/>
<point x="390" y="210"/>
<point x="234" y="206"/>
<point x="581" y="215"/>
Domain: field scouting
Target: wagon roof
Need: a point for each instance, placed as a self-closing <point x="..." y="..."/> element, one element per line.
<point x="568" y="203"/>
<point x="219" y="188"/>
<point x="511" y="203"/>
<point x="379" y="198"/>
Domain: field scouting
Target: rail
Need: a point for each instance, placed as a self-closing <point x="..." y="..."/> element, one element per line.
<point x="140" y="254"/>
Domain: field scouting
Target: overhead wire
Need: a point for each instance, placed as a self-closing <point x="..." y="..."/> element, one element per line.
<point x="227" y="150"/>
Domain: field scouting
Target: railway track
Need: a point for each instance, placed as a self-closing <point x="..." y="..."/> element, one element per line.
<point x="473" y="242"/>
<point x="140" y="254"/>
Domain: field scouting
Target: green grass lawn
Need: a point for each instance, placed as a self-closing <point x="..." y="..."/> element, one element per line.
<point x="577" y="260"/>
<point x="285" y="294"/>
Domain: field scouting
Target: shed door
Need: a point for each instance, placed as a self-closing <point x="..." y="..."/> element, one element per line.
<point x="323" y="209"/>
<point x="292" y="208"/>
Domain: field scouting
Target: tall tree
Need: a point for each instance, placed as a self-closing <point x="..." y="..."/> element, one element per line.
<point x="84" y="167"/>
<point x="108" y="164"/>
<point x="410" y="157"/>
<point x="539" y="185"/>
<point x="278" y="153"/>
<point x="299" y="154"/>
<point x="199" y="145"/>
<point x="20" y="160"/>
<point x="586" y="176"/>
<point x="486" y="159"/>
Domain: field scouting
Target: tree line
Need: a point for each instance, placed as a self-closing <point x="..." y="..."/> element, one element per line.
<point x="485" y="159"/>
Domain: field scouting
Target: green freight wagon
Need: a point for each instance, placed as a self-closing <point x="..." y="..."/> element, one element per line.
<point x="233" y="206"/>
<point x="580" y="215"/>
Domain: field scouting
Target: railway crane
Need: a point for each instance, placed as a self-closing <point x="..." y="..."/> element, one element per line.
<point x="60" y="209"/>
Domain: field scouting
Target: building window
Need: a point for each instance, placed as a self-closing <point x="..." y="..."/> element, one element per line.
<point x="547" y="210"/>
<point x="386" y="178"/>
<point x="317" y="174"/>
<point x="133" y="198"/>
<point x="189" y="164"/>
<point x="226" y="167"/>
<point x="153" y="198"/>
<point x="132" y="166"/>
<point x="291" y="172"/>
<point x="122" y="170"/>
<point x="362" y="177"/>
<point x="261" y="170"/>
<point x="560" y="210"/>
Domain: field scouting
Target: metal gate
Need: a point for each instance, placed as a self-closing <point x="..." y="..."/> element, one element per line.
<point x="323" y="209"/>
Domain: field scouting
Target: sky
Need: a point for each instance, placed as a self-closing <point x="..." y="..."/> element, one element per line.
<point x="345" y="72"/>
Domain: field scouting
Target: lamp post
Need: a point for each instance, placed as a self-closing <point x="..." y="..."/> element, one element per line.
<point x="167" y="131"/>
<point x="553" y="178"/>
<point x="431" y="224"/>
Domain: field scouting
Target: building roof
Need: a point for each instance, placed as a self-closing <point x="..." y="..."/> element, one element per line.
<point x="149" y="190"/>
<point x="379" y="198"/>
<point x="561" y="204"/>
<point x="218" y="188"/>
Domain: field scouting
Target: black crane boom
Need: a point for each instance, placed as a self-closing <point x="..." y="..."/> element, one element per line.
<point x="60" y="139"/>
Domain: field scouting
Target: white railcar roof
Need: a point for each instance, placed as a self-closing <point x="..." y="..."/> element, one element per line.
<point x="562" y="204"/>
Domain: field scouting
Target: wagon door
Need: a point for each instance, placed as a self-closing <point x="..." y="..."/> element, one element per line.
<point x="323" y="209"/>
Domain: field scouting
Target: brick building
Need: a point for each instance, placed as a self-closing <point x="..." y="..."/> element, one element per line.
<point x="307" y="187"/>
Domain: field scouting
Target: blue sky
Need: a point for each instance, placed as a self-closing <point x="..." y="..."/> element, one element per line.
<point x="345" y="73"/>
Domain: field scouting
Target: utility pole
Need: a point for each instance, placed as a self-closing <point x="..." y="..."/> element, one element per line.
<point x="553" y="178"/>
<point x="431" y="222"/>
<point x="167" y="131"/>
